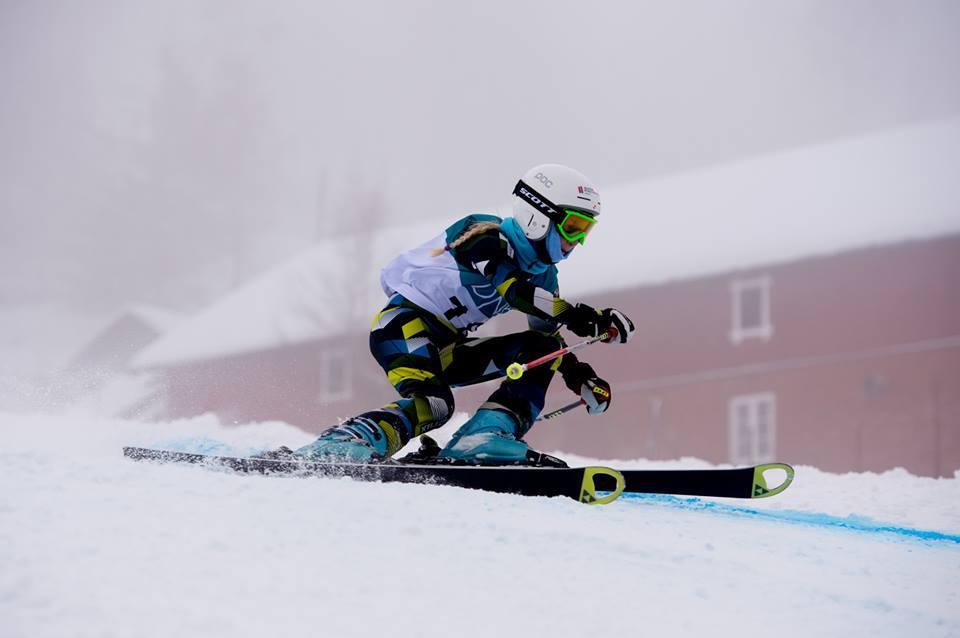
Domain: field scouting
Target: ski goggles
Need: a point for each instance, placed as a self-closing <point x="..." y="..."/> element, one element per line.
<point x="574" y="225"/>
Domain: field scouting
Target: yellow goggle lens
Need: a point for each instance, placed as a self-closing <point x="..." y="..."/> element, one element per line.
<point x="576" y="226"/>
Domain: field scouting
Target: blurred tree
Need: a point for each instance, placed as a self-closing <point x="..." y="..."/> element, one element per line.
<point x="175" y="220"/>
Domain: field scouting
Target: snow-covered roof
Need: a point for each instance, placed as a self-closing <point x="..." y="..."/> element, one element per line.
<point x="159" y="319"/>
<point x="822" y="199"/>
<point x="318" y="293"/>
<point x="815" y="200"/>
<point x="114" y="341"/>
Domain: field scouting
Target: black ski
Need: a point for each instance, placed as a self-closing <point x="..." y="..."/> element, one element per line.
<point x="576" y="483"/>
<point x="592" y="484"/>
<point x="744" y="482"/>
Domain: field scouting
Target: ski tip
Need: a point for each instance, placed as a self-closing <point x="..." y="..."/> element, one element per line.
<point x="761" y="488"/>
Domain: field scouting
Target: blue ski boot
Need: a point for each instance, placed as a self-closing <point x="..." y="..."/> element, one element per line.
<point x="492" y="437"/>
<point x="353" y="441"/>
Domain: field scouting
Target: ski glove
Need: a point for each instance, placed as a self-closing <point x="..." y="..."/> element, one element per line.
<point x="584" y="321"/>
<point x="594" y="391"/>
<point x="596" y="395"/>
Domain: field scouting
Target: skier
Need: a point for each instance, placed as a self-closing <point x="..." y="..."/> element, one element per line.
<point x="480" y="267"/>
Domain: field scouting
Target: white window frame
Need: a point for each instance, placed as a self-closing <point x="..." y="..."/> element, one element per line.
<point x="329" y="359"/>
<point x="738" y="332"/>
<point x="757" y="453"/>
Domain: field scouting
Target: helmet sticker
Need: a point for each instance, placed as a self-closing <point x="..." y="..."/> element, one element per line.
<point x="587" y="190"/>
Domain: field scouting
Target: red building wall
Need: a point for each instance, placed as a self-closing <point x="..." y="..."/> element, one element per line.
<point x="284" y="384"/>
<point x="864" y="361"/>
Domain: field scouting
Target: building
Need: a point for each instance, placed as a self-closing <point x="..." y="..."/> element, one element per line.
<point x="97" y="377"/>
<point x="114" y="346"/>
<point x="846" y="362"/>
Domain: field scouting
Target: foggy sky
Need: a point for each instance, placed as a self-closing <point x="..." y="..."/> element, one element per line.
<point x="165" y="151"/>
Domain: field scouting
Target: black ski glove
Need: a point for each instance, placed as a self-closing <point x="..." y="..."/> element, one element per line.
<point x="595" y="392"/>
<point x="584" y="321"/>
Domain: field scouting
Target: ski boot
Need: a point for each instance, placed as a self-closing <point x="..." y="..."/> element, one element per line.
<point x="492" y="437"/>
<point x="349" y="442"/>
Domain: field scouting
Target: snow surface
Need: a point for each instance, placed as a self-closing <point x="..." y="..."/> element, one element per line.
<point x="92" y="544"/>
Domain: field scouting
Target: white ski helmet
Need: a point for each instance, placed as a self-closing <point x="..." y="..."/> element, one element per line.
<point x="553" y="193"/>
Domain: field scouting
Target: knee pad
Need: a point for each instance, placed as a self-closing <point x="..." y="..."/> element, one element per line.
<point x="437" y="400"/>
<point x="441" y="405"/>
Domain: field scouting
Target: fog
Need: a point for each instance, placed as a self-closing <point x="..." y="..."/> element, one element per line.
<point x="164" y="152"/>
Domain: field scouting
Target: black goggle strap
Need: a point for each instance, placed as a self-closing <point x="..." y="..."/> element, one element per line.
<point x="525" y="192"/>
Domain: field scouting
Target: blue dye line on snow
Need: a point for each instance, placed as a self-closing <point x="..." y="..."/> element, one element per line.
<point x="853" y="522"/>
<point x="204" y="445"/>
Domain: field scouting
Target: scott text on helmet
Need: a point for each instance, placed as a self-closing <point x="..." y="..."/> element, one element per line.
<point x="536" y="201"/>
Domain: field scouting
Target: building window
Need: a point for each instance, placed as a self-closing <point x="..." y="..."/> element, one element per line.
<point x="750" y="304"/>
<point x="753" y="429"/>
<point x="335" y="376"/>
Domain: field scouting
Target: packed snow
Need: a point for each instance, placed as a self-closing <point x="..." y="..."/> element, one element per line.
<point x="93" y="544"/>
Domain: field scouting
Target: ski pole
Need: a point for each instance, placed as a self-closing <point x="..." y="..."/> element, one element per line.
<point x="560" y="411"/>
<point x="516" y="369"/>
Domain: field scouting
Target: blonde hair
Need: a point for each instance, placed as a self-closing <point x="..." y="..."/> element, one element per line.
<point x="471" y="231"/>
